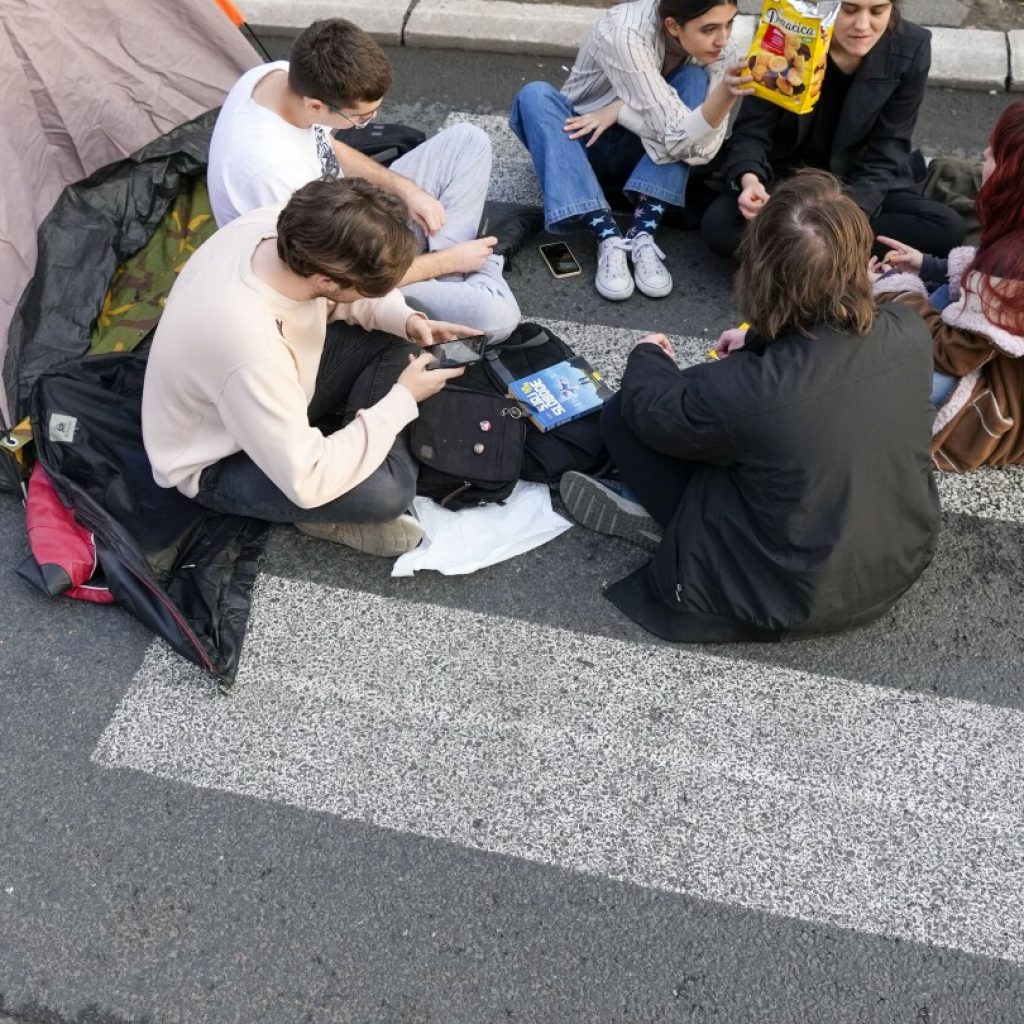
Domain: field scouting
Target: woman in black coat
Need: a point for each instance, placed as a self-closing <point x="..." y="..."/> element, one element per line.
<point x="860" y="130"/>
<point x="792" y="478"/>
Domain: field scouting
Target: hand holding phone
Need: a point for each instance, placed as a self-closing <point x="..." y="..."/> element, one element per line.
<point x="457" y="352"/>
<point x="421" y="384"/>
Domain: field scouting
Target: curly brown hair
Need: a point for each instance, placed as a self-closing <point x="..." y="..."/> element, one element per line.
<point x="350" y="231"/>
<point x="804" y="260"/>
<point x="337" y="63"/>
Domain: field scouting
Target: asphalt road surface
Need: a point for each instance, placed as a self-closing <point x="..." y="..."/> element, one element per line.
<point x="491" y="798"/>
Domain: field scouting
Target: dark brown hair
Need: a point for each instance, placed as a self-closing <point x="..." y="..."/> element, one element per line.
<point x="804" y="260"/>
<point x="348" y="230"/>
<point x="896" y="17"/>
<point x="686" y="10"/>
<point x="337" y="63"/>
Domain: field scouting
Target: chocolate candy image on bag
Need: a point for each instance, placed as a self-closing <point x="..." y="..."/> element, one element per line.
<point x="787" y="58"/>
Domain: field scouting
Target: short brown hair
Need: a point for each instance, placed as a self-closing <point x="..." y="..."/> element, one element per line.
<point x="348" y="230"/>
<point x="337" y="63"/>
<point x="804" y="260"/>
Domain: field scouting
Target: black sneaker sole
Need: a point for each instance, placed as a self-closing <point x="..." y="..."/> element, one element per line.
<point x="600" y="509"/>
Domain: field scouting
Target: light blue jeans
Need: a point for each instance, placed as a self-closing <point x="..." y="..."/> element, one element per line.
<point x="942" y="383"/>
<point x="572" y="176"/>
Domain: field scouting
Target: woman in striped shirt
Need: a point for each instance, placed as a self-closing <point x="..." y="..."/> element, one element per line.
<point x="648" y="97"/>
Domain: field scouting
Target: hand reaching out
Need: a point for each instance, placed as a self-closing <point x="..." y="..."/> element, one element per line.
<point x="901" y="256"/>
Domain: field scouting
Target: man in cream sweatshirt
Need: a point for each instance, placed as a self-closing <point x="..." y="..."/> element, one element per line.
<point x="253" y="351"/>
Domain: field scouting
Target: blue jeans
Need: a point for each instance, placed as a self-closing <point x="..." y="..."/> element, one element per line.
<point x="572" y="176"/>
<point x="942" y="383"/>
<point x="942" y="387"/>
<point x="940" y="298"/>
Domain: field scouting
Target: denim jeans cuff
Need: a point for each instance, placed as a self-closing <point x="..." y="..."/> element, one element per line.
<point x="636" y="187"/>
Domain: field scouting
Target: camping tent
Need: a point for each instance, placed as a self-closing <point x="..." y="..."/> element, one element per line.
<point x="84" y="84"/>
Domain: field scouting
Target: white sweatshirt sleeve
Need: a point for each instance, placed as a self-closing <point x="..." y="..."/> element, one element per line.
<point x="390" y="313"/>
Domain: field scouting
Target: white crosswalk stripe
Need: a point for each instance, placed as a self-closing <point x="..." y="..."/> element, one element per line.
<point x="754" y="786"/>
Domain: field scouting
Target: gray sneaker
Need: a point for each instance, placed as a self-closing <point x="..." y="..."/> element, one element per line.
<point x="394" y="537"/>
<point x="599" y="508"/>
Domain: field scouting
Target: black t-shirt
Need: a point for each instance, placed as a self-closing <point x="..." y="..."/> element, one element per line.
<point x="817" y="149"/>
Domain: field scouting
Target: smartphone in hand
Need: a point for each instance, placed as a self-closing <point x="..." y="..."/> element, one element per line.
<point x="457" y="352"/>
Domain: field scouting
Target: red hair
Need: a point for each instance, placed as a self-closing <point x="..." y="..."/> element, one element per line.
<point x="1000" y="203"/>
<point x="1001" y="265"/>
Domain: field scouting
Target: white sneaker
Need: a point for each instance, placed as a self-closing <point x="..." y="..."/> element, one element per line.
<point x="613" y="280"/>
<point x="394" y="537"/>
<point x="651" y="276"/>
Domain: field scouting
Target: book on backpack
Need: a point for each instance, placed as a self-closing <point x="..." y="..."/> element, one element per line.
<point x="560" y="393"/>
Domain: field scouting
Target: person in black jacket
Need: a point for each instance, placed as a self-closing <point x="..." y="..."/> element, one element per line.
<point x="860" y="130"/>
<point x="792" y="478"/>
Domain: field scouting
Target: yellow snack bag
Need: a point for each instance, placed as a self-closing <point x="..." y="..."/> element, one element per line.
<point x="787" y="58"/>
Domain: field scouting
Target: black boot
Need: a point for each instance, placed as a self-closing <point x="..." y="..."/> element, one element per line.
<point x="514" y="228"/>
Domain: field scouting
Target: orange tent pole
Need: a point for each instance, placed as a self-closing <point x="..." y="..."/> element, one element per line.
<point x="232" y="12"/>
<point x="238" y="20"/>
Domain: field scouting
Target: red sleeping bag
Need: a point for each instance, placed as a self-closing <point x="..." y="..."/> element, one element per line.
<point x="63" y="550"/>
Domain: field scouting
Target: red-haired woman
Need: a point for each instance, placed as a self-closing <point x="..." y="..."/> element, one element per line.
<point x="979" y="336"/>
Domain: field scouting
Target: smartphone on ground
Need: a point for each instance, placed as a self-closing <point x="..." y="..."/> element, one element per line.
<point x="560" y="260"/>
<point x="457" y="352"/>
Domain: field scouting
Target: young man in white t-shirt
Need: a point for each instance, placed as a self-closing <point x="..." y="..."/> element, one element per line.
<point x="274" y="134"/>
<point x="242" y="395"/>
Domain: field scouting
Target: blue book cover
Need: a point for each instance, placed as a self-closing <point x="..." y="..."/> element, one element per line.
<point x="560" y="393"/>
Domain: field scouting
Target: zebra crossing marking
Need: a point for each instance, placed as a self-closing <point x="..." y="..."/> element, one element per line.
<point x="760" y="787"/>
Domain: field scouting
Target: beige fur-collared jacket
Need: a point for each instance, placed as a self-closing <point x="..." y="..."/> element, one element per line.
<point x="981" y="423"/>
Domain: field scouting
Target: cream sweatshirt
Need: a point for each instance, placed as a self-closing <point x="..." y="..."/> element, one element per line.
<point x="233" y="367"/>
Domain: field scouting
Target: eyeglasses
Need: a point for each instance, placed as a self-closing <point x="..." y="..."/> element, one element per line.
<point x="361" y="121"/>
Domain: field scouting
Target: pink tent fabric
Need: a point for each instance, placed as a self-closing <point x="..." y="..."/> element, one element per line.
<point x="86" y="82"/>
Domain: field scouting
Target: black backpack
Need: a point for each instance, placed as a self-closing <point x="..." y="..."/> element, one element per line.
<point x="384" y="142"/>
<point x="474" y="443"/>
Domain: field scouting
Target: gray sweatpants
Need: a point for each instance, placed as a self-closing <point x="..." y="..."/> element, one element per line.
<point x="455" y="168"/>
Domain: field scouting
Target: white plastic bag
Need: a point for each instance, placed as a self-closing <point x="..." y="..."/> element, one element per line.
<point x="457" y="543"/>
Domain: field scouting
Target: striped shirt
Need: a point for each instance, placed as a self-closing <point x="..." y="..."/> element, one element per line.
<point x="622" y="58"/>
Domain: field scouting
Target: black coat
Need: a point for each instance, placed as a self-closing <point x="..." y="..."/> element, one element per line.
<point x="813" y="506"/>
<point x="872" y="144"/>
